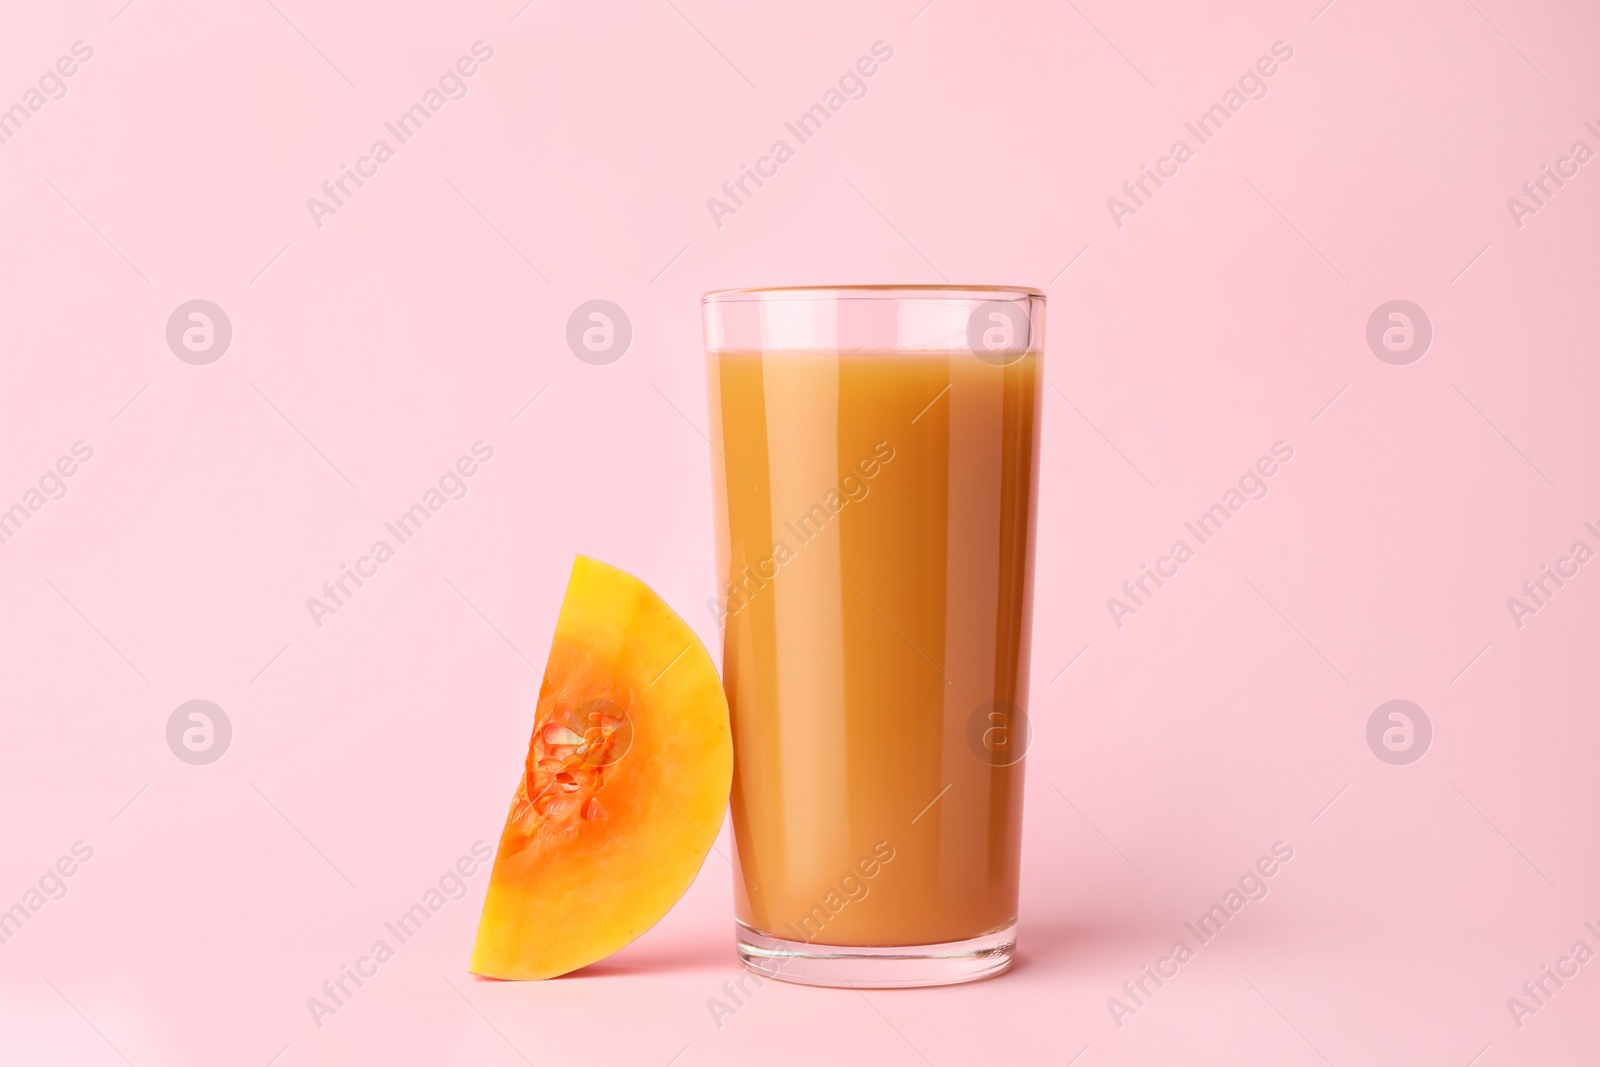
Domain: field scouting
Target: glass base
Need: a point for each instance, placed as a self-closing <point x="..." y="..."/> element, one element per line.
<point x="878" y="967"/>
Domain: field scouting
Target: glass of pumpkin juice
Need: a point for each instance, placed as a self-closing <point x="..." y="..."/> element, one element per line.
<point x="875" y="474"/>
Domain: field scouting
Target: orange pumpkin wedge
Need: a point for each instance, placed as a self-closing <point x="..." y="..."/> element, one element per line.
<point x="624" y="788"/>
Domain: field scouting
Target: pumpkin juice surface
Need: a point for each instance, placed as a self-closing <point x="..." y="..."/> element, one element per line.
<point x="877" y="509"/>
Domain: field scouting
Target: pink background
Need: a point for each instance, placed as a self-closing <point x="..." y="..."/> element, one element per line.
<point x="1228" y="313"/>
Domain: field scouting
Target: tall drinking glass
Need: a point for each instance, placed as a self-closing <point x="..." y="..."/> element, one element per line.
<point x="875" y="476"/>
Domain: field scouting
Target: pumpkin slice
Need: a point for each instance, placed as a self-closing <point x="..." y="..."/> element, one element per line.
<point x="624" y="788"/>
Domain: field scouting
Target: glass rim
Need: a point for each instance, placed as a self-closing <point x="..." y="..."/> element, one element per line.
<point x="924" y="293"/>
